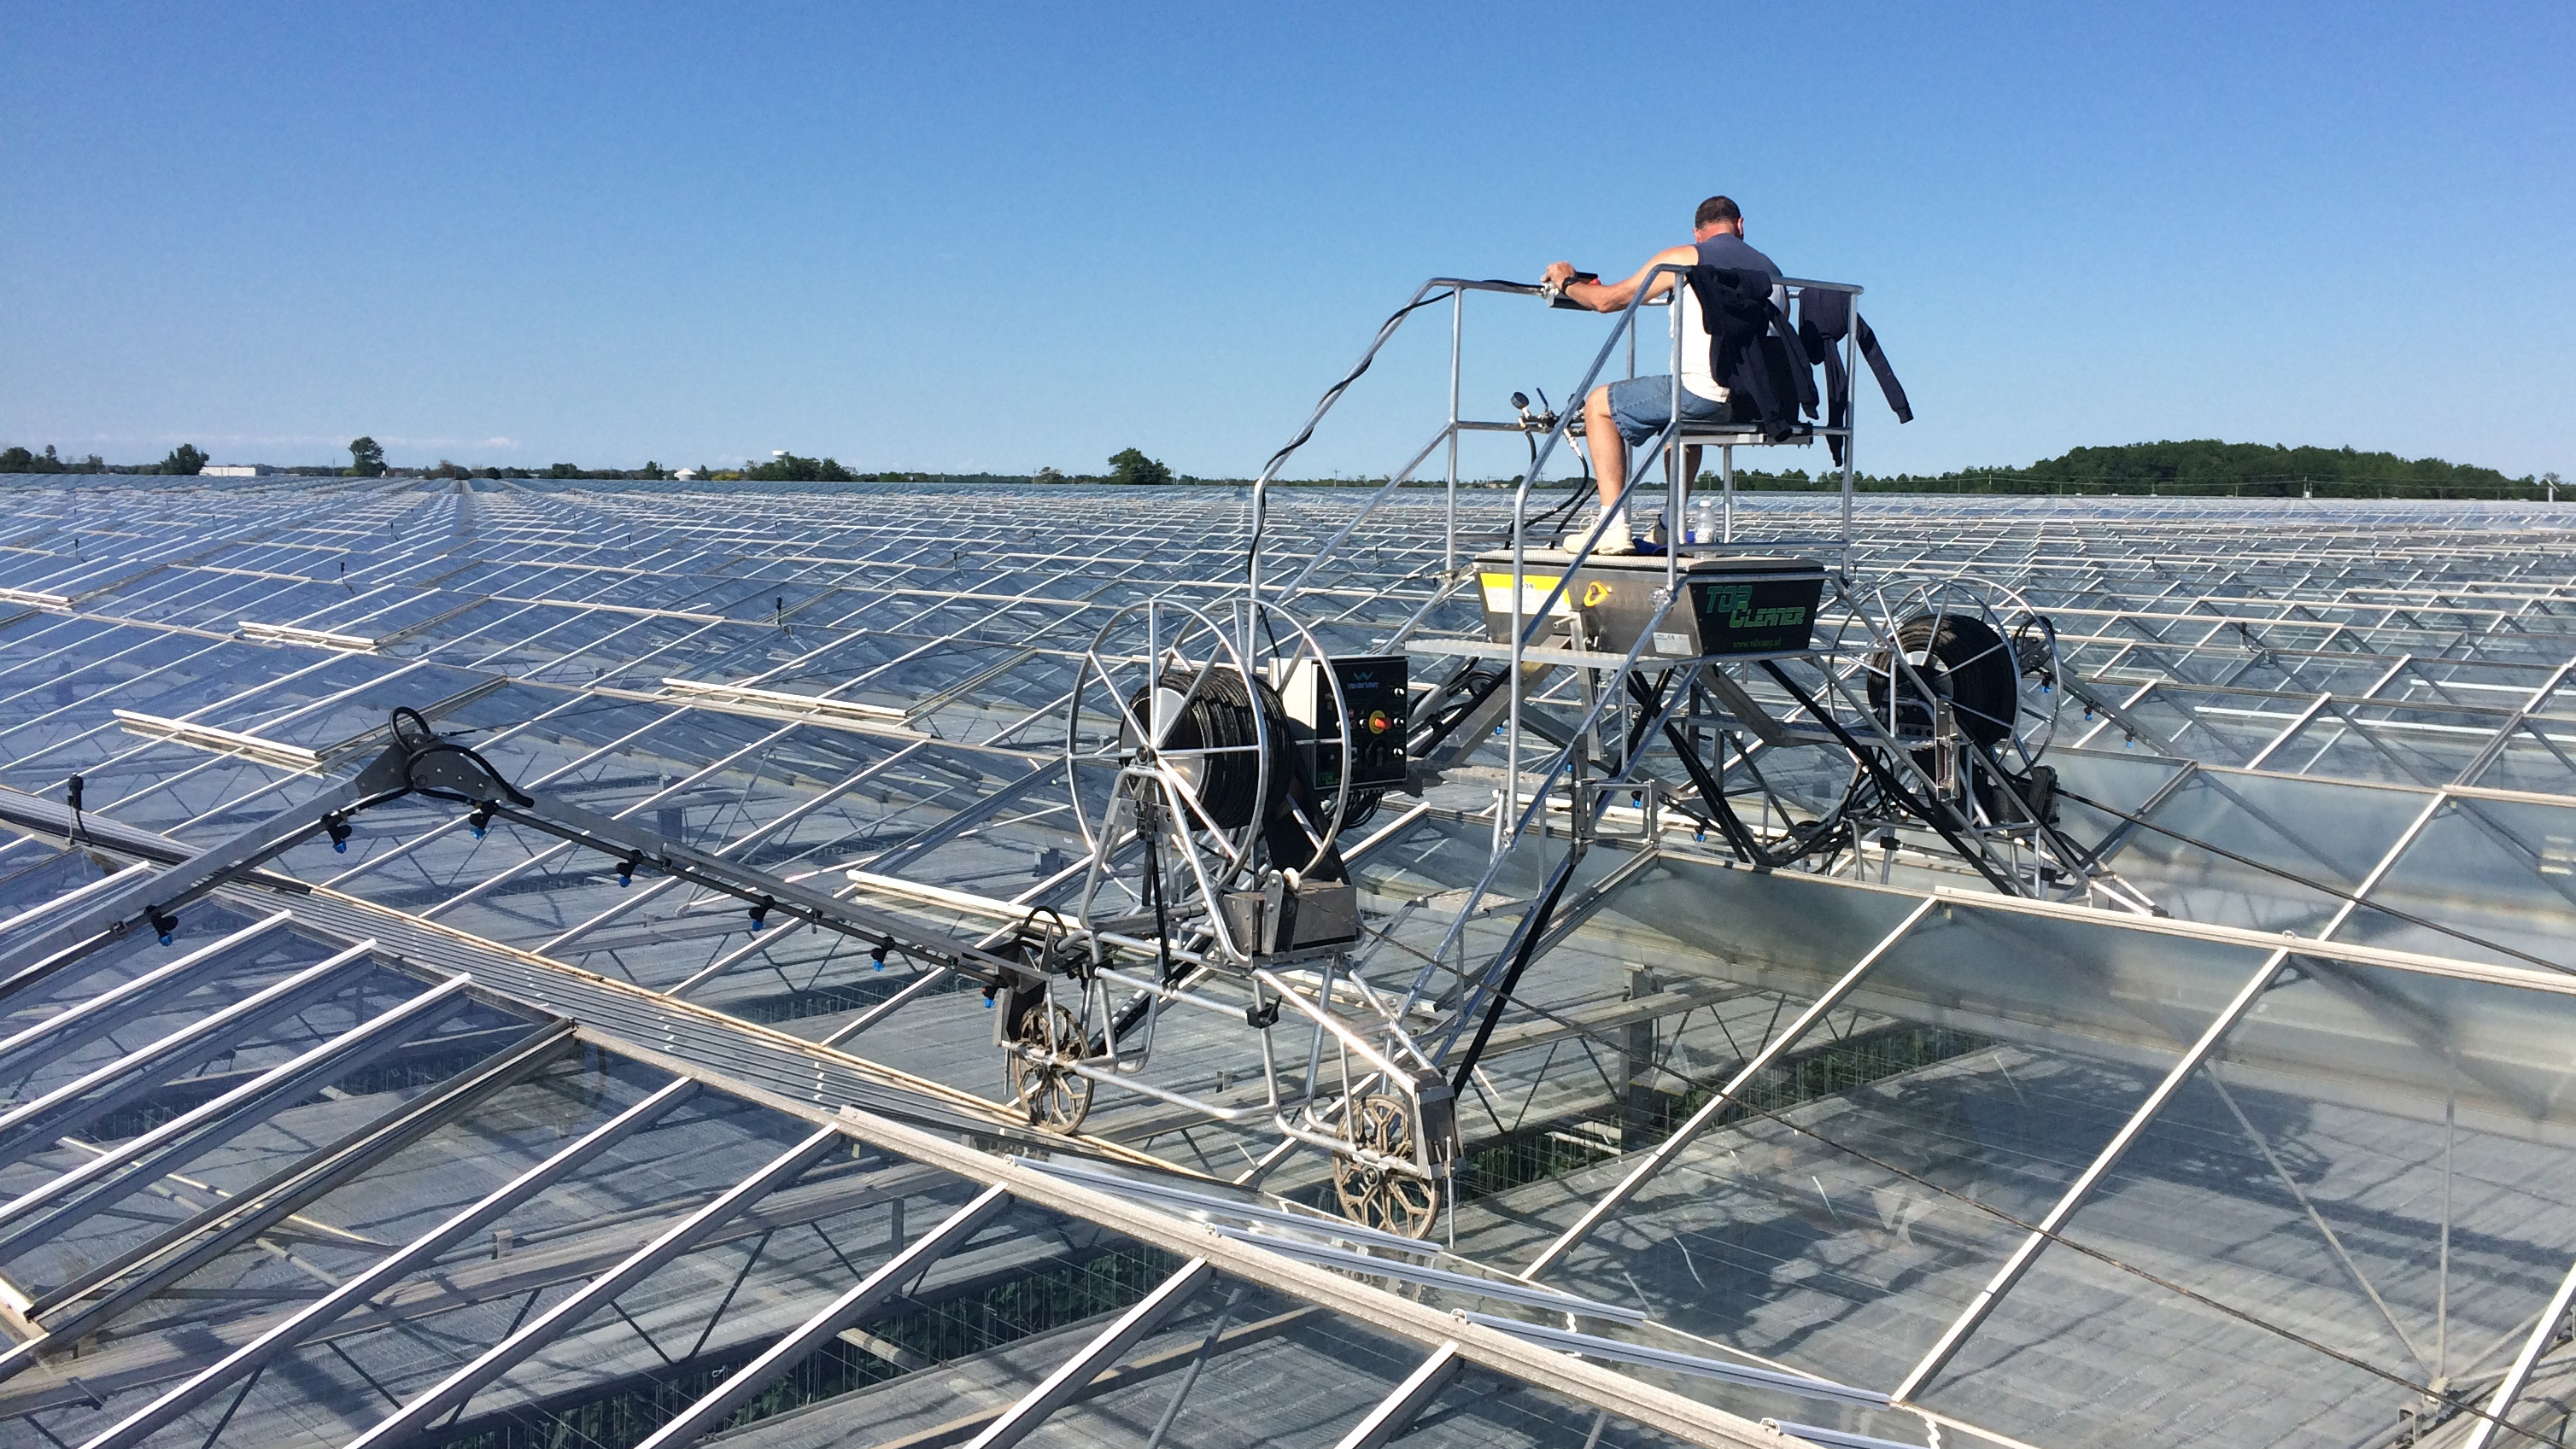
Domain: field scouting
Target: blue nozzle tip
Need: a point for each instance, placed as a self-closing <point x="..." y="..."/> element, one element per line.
<point x="478" y="832"/>
<point x="341" y="846"/>
<point x="165" y="938"/>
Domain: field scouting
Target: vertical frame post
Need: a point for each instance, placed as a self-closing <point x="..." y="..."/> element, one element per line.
<point x="1457" y="331"/>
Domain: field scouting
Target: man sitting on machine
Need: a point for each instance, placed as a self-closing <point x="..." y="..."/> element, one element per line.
<point x="1620" y="415"/>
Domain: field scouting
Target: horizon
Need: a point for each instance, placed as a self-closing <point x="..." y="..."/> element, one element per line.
<point x="654" y="470"/>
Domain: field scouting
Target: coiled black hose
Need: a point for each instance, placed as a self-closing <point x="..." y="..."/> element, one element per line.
<point x="1218" y="717"/>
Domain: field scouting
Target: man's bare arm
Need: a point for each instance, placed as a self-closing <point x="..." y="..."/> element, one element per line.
<point x="1614" y="296"/>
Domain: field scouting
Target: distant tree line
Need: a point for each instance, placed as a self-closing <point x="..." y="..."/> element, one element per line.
<point x="184" y="458"/>
<point x="2200" y="467"/>
<point x="1126" y="466"/>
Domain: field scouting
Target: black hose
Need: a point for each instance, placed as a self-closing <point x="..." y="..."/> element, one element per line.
<point x="1218" y="717"/>
<point x="1894" y="789"/>
<point x="1532" y="927"/>
<point x="2315" y="885"/>
<point x="1333" y="394"/>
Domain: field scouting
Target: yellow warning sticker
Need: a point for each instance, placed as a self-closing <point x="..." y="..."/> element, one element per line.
<point x="1534" y="591"/>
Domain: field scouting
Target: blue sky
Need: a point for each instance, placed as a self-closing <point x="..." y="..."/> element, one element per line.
<point x="1002" y="237"/>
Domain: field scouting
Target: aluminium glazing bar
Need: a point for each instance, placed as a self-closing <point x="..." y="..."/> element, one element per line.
<point x="1397" y="1411"/>
<point x="387" y="1271"/>
<point x="1504" y="1290"/>
<point x="55" y="1107"/>
<point x="115" y="1002"/>
<point x="1658" y="1409"/>
<point x="2100" y="1167"/>
<point x="2504" y="735"/>
<point x="1182" y="1200"/>
<point x="306" y="1070"/>
<point x="1618" y="1350"/>
<point x="747" y="1383"/>
<point x="240" y="1217"/>
<point x="44" y="908"/>
<point x="2516" y="1378"/>
<point x="1096" y="1357"/>
<point x="459" y="1387"/>
<point x="1832" y="1438"/>
<point x="1700" y="1121"/>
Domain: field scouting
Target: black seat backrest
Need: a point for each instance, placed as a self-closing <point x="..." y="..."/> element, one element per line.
<point x="1752" y="351"/>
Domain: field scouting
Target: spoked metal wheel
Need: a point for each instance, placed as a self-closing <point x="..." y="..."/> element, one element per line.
<point x="1962" y="648"/>
<point x="1168" y="762"/>
<point x="1051" y="1092"/>
<point x="1376" y="1197"/>
<point x="1175" y="763"/>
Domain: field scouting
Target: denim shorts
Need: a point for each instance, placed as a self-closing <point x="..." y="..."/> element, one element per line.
<point x="1641" y="406"/>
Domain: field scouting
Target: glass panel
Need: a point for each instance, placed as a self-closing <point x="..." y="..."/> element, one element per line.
<point x="2329" y="833"/>
<point x="2502" y="872"/>
<point x="2362" y="1127"/>
<point x="1839" y="1222"/>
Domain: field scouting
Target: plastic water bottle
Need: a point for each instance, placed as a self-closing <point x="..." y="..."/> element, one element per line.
<point x="1703" y="519"/>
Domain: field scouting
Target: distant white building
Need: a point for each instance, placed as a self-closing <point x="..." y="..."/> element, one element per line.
<point x="236" y="470"/>
<point x="685" y="473"/>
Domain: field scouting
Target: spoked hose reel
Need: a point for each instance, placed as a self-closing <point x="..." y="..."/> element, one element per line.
<point x="1195" y="790"/>
<point x="1211" y="760"/>
<point x="1962" y="677"/>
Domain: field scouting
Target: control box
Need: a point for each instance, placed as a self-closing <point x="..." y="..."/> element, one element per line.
<point x="1733" y="605"/>
<point x="1374" y="688"/>
<point x="1282" y="920"/>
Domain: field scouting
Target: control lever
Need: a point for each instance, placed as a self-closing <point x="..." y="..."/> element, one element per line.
<point x="1555" y="293"/>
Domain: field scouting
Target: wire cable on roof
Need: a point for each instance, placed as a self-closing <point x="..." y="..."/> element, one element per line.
<point x="2059" y="1239"/>
<point x="2315" y="885"/>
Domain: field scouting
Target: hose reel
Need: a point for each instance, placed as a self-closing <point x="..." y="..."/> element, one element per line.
<point x="1961" y="672"/>
<point x="1963" y="687"/>
<point x="1203" y="718"/>
<point x="1208" y="798"/>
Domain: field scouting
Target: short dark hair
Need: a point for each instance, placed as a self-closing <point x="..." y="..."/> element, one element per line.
<point x="1717" y="208"/>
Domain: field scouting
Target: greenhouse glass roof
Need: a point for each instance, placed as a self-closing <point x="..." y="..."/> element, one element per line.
<point x="2257" y="1126"/>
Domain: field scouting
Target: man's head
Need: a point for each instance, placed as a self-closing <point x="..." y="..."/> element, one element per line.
<point x="1717" y="216"/>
